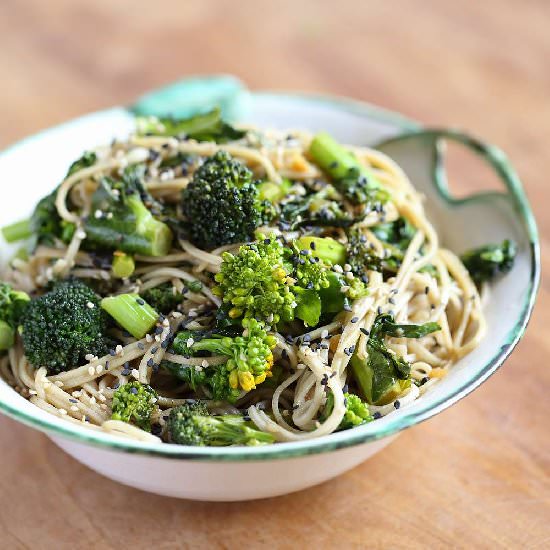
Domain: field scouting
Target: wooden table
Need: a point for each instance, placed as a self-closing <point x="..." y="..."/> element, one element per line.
<point x="476" y="476"/>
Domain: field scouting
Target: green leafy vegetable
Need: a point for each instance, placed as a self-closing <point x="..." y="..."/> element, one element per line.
<point x="134" y="403"/>
<point x="489" y="261"/>
<point x="202" y="127"/>
<point x="383" y="375"/>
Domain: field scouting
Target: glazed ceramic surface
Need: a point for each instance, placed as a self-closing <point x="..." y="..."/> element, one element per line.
<point x="34" y="166"/>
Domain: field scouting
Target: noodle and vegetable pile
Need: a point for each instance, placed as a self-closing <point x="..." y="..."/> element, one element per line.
<point x="204" y="284"/>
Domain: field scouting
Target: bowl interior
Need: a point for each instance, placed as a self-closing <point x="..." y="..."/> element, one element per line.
<point x="34" y="166"/>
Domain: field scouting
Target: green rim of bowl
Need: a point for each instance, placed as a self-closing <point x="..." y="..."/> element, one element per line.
<point x="363" y="434"/>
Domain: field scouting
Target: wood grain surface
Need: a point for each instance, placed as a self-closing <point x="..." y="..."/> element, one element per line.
<point x="476" y="476"/>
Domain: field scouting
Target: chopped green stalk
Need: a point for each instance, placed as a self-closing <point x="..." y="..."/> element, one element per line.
<point x="7" y="336"/>
<point x="131" y="312"/>
<point x="325" y="248"/>
<point x="17" y="231"/>
<point x="274" y="192"/>
<point x="123" y="265"/>
<point x="354" y="180"/>
<point x="122" y="221"/>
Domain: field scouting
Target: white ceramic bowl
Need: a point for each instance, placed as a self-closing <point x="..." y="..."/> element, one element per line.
<point x="35" y="165"/>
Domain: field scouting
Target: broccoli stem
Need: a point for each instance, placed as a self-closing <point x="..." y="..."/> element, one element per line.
<point x="17" y="231"/>
<point x="340" y="164"/>
<point x="7" y="336"/>
<point x="334" y="159"/>
<point x="327" y="249"/>
<point x="131" y="312"/>
<point x="273" y="192"/>
<point x="150" y="237"/>
<point x="123" y="265"/>
<point x="231" y="429"/>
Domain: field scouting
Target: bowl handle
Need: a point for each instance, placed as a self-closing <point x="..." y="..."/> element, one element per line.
<point x="195" y="94"/>
<point x="495" y="157"/>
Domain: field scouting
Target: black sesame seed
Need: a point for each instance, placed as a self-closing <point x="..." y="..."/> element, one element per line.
<point x="364" y="331"/>
<point x="424" y="380"/>
<point x="134" y="391"/>
<point x="379" y="310"/>
<point x="73" y="400"/>
<point x="140" y="301"/>
<point x="396" y="404"/>
<point x="140" y="345"/>
<point x="112" y="353"/>
<point x="154" y="350"/>
<point x="352" y="348"/>
<point x="345" y="388"/>
<point x="376" y="415"/>
<point x="427" y="290"/>
<point x="150" y="362"/>
<point x="391" y="301"/>
<point x="354" y="319"/>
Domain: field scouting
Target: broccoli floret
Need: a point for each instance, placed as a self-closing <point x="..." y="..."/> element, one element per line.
<point x="13" y="304"/>
<point x="395" y="238"/>
<point x="357" y="411"/>
<point x="323" y="208"/>
<point x="487" y="262"/>
<point x="191" y="424"/>
<point x="122" y="220"/>
<point x="64" y="325"/>
<point x="164" y="298"/>
<point x="222" y="203"/>
<point x="249" y="356"/>
<point x="256" y="282"/>
<point x="134" y="403"/>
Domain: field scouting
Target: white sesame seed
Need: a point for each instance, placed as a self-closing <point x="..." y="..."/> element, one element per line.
<point x="337" y="268"/>
<point x="76" y="393"/>
<point x="90" y="305"/>
<point x="344" y="289"/>
<point x="59" y="384"/>
<point x="81" y="234"/>
<point x="176" y="314"/>
<point x="204" y="363"/>
<point x="32" y="392"/>
<point x="62" y="412"/>
<point x="189" y="342"/>
<point x="347" y="267"/>
<point x="118" y="349"/>
<point x="98" y="214"/>
<point x="148" y="338"/>
<point x="157" y="338"/>
<point x="91" y="371"/>
<point x="349" y="276"/>
<point x="89" y="356"/>
<point x="99" y="369"/>
<point x="324" y="333"/>
<point x="74" y="408"/>
<point x="92" y="400"/>
<point x="135" y="373"/>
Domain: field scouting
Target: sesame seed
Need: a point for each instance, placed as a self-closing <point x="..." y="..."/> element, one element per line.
<point x="379" y="310"/>
<point x="364" y="331"/>
<point x="427" y="290"/>
<point x="376" y="415"/>
<point x="337" y="268"/>
<point x="396" y="404"/>
<point x="134" y="391"/>
<point x="140" y="301"/>
<point x="91" y="371"/>
<point x="354" y="319"/>
<point x="391" y="301"/>
<point x="99" y="369"/>
<point x="140" y="345"/>
<point x="324" y="333"/>
<point x="74" y="408"/>
<point x="59" y="384"/>
<point x="148" y="338"/>
<point x="349" y="276"/>
<point x="62" y="412"/>
<point x="135" y="373"/>
<point x="347" y="267"/>
<point x="90" y="305"/>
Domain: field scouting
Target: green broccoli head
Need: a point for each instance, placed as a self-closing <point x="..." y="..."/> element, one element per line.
<point x="249" y="356"/>
<point x="487" y="262"/>
<point x="13" y="304"/>
<point x="191" y="424"/>
<point x="163" y="298"/>
<point x="222" y="203"/>
<point x="134" y="403"/>
<point x="310" y="273"/>
<point x="64" y="325"/>
<point x="256" y="282"/>
<point x="357" y="411"/>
